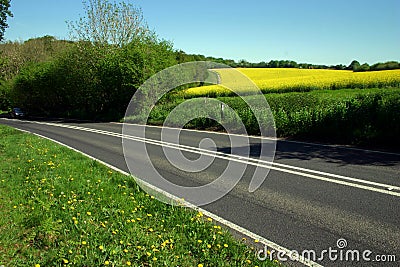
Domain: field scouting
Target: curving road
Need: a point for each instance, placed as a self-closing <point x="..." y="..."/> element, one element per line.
<point x="313" y="196"/>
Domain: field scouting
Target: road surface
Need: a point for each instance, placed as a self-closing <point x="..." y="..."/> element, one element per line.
<point x="314" y="195"/>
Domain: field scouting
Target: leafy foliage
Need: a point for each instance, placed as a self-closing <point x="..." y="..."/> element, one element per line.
<point x="4" y="13"/>
<point x="110" y="23"/>
<point x="350" y="116"/>
<point x="89" y="81"/>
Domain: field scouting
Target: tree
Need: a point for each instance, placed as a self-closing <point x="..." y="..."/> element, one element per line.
<point x="354" y="65"/>
<point x="109" y="23"/>
<point x="4" y="13"/>
<point x="363" y="67"/>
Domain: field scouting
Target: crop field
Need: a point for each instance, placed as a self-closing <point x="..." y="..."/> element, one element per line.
<point x="280" y="80"/>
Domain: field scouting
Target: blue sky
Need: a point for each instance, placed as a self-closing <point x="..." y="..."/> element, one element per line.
<point x="319" y="32"/>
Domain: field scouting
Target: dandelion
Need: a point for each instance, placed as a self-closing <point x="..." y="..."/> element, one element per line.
<point x="200" y="265"/>
<point x="101" y="247"/>
<point x="84" y="243"/>
<point x="125" y="250"/>
<point x="106" y="263"/>
<point x="128" y="263"/>
<point x="199" y="241"/>
<point x="209" y="219"/>
<point x="154" y="259"/>
<point x="226" y="245"/>
<point x="65" y="261"/>
<point x="37" y="265"/>
<point x="89" y="213"/>
<point x="148" y="254"/>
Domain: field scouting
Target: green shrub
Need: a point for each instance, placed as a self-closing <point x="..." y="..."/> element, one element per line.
<point x="90" y="82"/>
<point x="351" y="116"/>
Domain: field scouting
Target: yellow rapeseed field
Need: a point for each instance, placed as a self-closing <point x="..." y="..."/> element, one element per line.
<point x="281" y="79"/>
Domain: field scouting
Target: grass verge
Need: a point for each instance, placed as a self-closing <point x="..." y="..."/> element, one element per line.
<point x="59" y="208"/>
<point x="365" y="117"/>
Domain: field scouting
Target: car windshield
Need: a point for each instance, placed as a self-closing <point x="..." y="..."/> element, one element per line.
<point x="17" y="110"/>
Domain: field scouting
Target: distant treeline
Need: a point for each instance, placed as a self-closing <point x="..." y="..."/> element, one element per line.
<point x="79" y="79"/>
<point x="354" y="65"/>
<point x="53" y="78"/>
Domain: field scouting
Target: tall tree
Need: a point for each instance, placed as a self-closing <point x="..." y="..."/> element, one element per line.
<point x="109" y="23"/>
<point x="4" y="13"/>
<point x="354" y="65"/>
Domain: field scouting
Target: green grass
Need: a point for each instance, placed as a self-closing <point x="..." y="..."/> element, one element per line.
<point x="347" y="116"/>
<point x="59" y="208"/>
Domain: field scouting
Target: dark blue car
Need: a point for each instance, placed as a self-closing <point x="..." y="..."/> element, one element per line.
<point x="17" y="113"/>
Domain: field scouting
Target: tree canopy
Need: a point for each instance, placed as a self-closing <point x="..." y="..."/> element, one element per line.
<point x="4" y="13"/>
<point x="109" y="23"/>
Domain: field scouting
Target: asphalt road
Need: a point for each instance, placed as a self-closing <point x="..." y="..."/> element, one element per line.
<point x="312" y="196"/>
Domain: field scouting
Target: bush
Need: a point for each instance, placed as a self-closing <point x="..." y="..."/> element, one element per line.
<point x="90" y="82"/>
<point x="368" y="116"/>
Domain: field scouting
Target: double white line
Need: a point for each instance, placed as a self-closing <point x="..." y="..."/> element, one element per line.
<point x="312" y="174"/>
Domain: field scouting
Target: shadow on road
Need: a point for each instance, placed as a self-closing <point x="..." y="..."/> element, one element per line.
<point x="332" y="154"/>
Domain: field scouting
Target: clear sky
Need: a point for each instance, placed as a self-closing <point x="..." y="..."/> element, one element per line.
<point x="319" y="32"/>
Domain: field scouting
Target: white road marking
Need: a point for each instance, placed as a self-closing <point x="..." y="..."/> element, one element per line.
<point x="265" y="138"/>
<point x="313" y="174"/>
<point x="270" y="244"/>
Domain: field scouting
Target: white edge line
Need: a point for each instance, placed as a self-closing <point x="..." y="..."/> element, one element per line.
<point x="185" y="203"/>
<point x="257" y="164"/>
<point x="266" y="138"/>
